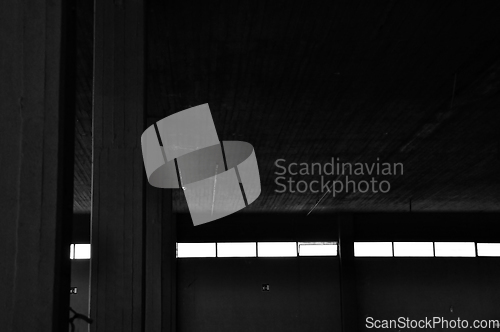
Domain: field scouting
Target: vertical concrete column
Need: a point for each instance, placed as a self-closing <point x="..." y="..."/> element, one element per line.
<point x="169" y="265"/>
<point x="348" y="288"/>
<point x="117" y="271"/>
<point x="160" y="264"/>
<point x="35" y="195"/>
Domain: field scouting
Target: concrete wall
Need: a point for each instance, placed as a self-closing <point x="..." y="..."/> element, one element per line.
<point x="452" y="288"/>
<point x="80" y="273"/>
<point x="225" y="294"/>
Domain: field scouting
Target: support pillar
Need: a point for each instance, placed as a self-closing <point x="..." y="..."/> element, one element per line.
<point x="161" y="272"/>
<point x="117" y="270"/>
<point x="348" y="289"/>
<point x="36" y="165"/>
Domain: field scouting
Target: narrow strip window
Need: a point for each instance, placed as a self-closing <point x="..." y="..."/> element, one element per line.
<point x="189" y="250"/>
<point x="277" y="249"/>
<point x="317" y="248"/>
<point x="413" y="249"/>
<point x="455" y="249"/>
<point x="488" y="249"/>
<point x="236" y="249"/>
<point x="82" y="251"/>
<point x="373" y="249"/>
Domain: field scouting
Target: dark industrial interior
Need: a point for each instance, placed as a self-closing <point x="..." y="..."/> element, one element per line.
<point x="414" y="83"/>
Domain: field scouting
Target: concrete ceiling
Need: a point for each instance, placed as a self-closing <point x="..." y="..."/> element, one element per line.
<point x="416" y="83"/>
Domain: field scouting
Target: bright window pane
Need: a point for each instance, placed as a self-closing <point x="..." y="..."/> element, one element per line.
<point x="317" y="249"/>
<point x="186" y="250"/>
<point x="413" y="249"/>
<point x="277" y="249"/>
<point x="72" y="251"/>
<point x="455" y="249"/>
<point x="82" y="251"/>
<point x="373" y="249"/>
<point x="236" y="249"/>
<point x="488" y="249"/>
